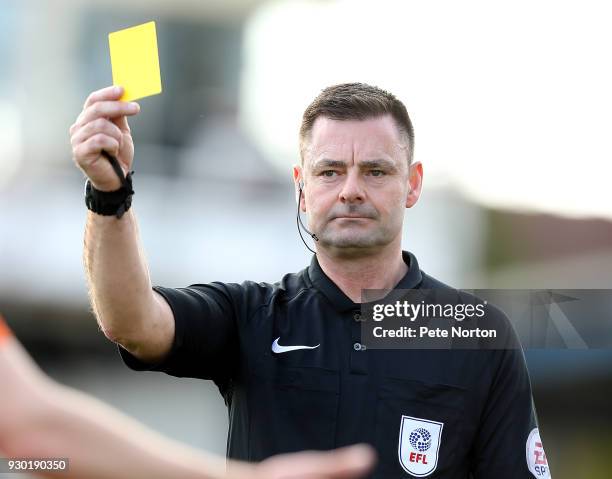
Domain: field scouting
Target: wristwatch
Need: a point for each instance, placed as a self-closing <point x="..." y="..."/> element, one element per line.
<point x="110" y="203"/>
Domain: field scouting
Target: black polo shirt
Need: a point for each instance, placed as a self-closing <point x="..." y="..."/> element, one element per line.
<point x="429" y="413"/>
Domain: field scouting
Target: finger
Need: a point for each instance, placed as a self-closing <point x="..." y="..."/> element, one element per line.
<point x="343" y="463"/>
<point x="122" y="123"/>
<point x="101" y="125"/>
<point x="107" y="109"/>
<point x="90" y="149"/>
<point x="108" y="93"/>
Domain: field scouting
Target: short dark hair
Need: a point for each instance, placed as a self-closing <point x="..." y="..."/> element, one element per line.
<point x="356" y="101"/>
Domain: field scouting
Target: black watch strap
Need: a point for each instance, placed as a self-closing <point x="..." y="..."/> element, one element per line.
<point x="111" y="203"/>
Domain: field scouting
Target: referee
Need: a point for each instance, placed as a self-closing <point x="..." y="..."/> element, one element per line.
<point x="287" y="357"/>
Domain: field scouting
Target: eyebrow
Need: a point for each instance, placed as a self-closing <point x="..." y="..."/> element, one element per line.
<point x="327" y="163"/>
<point x="378" y="163"/>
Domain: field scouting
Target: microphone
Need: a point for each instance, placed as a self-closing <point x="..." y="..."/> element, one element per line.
<point x="299" y="222"/>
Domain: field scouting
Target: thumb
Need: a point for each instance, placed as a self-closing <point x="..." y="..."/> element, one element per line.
<point x="345" y="463"/>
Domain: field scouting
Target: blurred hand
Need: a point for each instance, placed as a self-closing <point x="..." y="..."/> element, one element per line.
<point x="102" y="125"/>
<point x="343" y="463"/>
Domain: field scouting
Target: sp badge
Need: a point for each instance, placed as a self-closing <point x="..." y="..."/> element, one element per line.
<point x="419" y="443"/>
<point x="536" y="457"/>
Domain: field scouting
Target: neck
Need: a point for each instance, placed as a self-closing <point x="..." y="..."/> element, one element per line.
<point x="380" y="270"/>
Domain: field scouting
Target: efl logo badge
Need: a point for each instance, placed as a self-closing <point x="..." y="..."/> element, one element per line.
<point x="536" y="457"/>
<point x="419" y="443"/>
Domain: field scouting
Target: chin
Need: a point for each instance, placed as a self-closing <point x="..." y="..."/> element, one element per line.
<point x="353" y="242"/>
<point x="355" y="237"/>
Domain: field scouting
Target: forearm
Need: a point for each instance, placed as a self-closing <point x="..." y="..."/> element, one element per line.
<point x="41" y="419"/>
<point x="117" y="275"/>
<point x="102" y="443"/>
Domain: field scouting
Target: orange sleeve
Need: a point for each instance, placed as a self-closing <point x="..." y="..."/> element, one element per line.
<point x="5" y="332"/>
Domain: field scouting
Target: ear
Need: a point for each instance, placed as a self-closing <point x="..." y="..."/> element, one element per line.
<point x="298" y="182"/>
<point x="415" y="182"/>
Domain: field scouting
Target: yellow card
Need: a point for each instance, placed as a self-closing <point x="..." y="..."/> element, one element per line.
<point x="135" y="61"/>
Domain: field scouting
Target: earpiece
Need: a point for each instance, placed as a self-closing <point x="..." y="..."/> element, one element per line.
<point x="299" y="192"/>
<point x="298" y="197"/>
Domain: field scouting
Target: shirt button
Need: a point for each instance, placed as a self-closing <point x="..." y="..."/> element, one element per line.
<point x="357" y="317"/>
<point x="357" y="346"/>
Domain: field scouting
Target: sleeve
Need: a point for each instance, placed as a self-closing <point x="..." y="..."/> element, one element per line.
<point x="205" y="341"/>
<point x="508" y="444"/>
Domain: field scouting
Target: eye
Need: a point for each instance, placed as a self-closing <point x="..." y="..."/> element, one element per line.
<point x="377" y="172"/>
<point x="328" y="173"/>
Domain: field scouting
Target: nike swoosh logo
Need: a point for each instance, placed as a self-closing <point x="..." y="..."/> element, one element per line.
<point x="277" y="348"/>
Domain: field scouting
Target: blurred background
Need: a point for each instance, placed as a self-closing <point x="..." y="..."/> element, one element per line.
<point x="511" y="105"/>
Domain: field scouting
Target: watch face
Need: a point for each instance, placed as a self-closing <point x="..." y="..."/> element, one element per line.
<point x="88" y="195"/>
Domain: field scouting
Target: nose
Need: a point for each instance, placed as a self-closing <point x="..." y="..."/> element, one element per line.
<point x="352" y="189"/>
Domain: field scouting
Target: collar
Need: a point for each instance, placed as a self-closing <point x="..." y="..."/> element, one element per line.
<point x="340" y="300"/>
